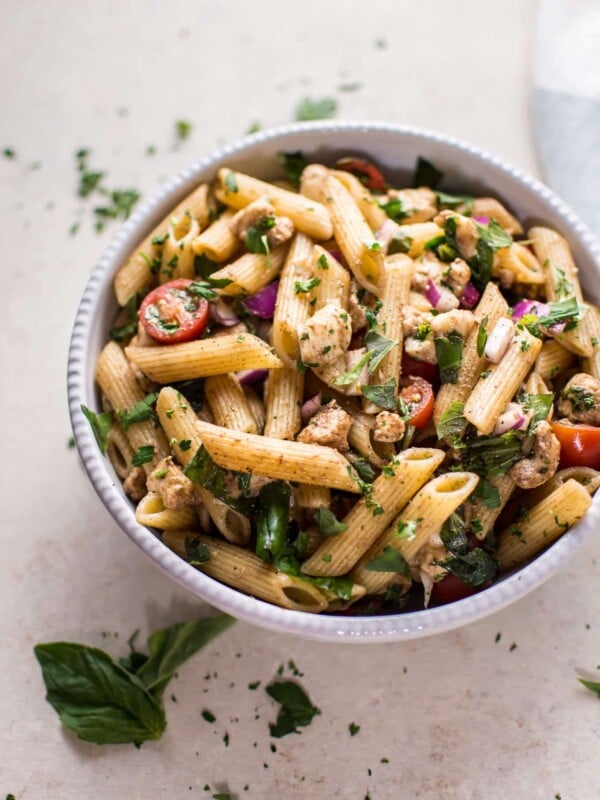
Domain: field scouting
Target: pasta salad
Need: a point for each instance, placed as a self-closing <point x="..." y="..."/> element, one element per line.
<point x="332" y="393"/>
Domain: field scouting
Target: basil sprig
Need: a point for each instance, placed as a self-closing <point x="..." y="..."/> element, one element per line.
<point x="104" y="702"/>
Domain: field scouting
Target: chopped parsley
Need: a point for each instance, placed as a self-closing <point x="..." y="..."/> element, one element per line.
<point x="256" y="236"/>
<point x="231" y="182"/>
<point x="562" y="285"/>
<point x="208" y="715"/>
<point x="307" y="285"/>
<point x="581" y="399"/>
<point x="9" y="153"/>
<point x="183" y="129"/>
<point x="196" y="551"/>
<point x="353" y="728"/>
<point x="394" y="209"/>
<point x="322" y="262"/>
<point x="142" y="411"/>
<point x="399" y="244"/>
<point x="406" y="530"/>
<point x="454" y="201"/>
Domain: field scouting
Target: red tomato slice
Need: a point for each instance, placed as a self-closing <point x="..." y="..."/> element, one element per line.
<point x="579" y="444"/>
<point x="419" y="395"/>
<point x="420" y="369"/>
<point x="450" y="589"/>
<point x="367" y="173"/>
<point x="172" y="314"/>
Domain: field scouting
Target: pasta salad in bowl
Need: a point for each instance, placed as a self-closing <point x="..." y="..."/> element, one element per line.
<point x="342" y="400"/>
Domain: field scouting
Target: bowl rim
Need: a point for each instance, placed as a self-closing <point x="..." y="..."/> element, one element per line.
<point x="361" y="629"/>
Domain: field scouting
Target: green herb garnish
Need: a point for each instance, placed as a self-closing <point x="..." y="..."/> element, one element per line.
<point x="142" y="411"/>
<point x="316" y="109"/>
<point x="296" y="708"/>
<point x="389" y="560"/>
<point x="143" y="455"/>
<point x="293" y="164"/>
<point x="328" y="523"/>
<point x="100" y="424"/>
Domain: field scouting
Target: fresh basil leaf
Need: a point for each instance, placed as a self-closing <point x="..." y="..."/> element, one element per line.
<point x="256" y="242"/>
<point x="121" y="332"/>
<point x="473" y="568"/>
<point x="482" y="337"/>
<point x="426" y="174"/>
<point x="452" y="422"/>
<point x="564" y="311"/>
<point x="379" y="346"/>
<point x="350" y="377"/>
<point x="202" y="289"/>
<point x="364" y="469"/>
<point x="141" y="411"/>
<point x="383" y="395"/>
<point x="100" y="424"/>
<point x="204" y="267"/>
<point x="296" y="709"/>
<point x="95" y="697"/>
<point x="389" y="560"/>
<point x="540" y="404"/>
<point x="273" y="520"/>
<point x="399" y="244"/>
<point x="454" y="201"/>
<point x="293" y="165"/>
<point x="196" y="551"/>
<point x="435" y="242"/>
<point x="340" y="587"/>
<point x="492" y="456"/>
<point x="171" y="647"/>
<point x="494" y="235"/>
<point x="143" y="455"/>
<point x="203" y="471"/>
<point x="231" y="182"/>
<point x="406" y="529"/>
<point x="448" y="350"/>
<point x="316" y="109"/>
<point x="394" y="209"/>
<point x="454" y="535"/>
<point x="328" y="523"/>
<point x="488" y="494"/>
<point x="593" y="686"/>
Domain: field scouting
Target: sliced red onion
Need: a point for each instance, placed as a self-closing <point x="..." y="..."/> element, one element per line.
<point x="470" y="296"/>
<point x="222" y="314"/>
<point x="514" y="418"/>
<point x="252" y="375"/>
<point x="557" y="328"/>
<point x="387" y="232"/>
<point x="337" y="255"/>
<point x="262" y="304"/>
<point x="524" y="307"/>
<point x="310" y="407"/>
<point x="481" y="219"/>
<point x="433" y="293"/>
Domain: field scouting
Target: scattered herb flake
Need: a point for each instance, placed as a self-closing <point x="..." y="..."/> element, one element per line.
<point x="316" y="109"/>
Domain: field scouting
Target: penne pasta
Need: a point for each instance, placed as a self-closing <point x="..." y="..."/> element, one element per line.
<point x="292" y="308"/>
<point x="228" y="404"/>
<point x="334" y="279"/>
<point x="251" y="272"/>
<point x="553" y="360"/>
<point x="151" y="511"/>
<point x="284" y="391"/>
<point x="218" y="242"/>
<point x="398" y="272"/>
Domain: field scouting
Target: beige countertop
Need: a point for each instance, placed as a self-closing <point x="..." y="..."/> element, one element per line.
<point x="460" y="715"/>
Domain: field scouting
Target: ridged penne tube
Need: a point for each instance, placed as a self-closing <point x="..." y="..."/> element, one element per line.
<point x="256" y="406"/>
<point x="553" y="359"/>
<point x="490" y="207"/>
<point x="368" y="205"/>
<point x="520" y="261"/>
<point x="138" y="272"/>
<point x="353" y="235"/>
<point x="152" y="512"/>
<point x="118" y="384"/>
<point x="486" y="517"/>
<point x="589" y="478"/>
<point x="227" y="401"/>
<point x="334" y="286"/>
<point x="178" y="420"/>
<point x="492" y="394"/>
<point x="307" y="496"/>
<point x="419" y="234"/>
<point x="292" y="308"/>
<point x="542" y="525"/>
<point x="338" y="554"/>
<point x="251" y="272"/>
<point x="313" y="540"/>
<point x="283" y="400"/>
<point x="359" y="438"/>
<point x="203" y="357"/>
<point x="395" y="294"/>
<point x="119" y="451"/>
<point x="493" y="306"/>
<point x="247" y="573"/>
<point x="277" y="458"/>
<point x="427" y="512"/>
<point x="178" y="254"/>
<point x="592" y="364"/>
<point x="218" y="242"/>
<point x="308" y="216"/>
<point x="535" y="384"/>
<point x="562" y="282"/>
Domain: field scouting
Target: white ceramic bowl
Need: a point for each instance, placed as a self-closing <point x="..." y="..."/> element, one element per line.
<point x="395" y="148"/>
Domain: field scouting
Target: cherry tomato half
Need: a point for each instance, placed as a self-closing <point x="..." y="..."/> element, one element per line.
<point x="421" y="369"/>
<point x="418" y="394"/>
<point x="367" y="173"/>
<point x="579" y="444"/>
<point x="172" y="314"/>
<point x="450" y="589"/>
